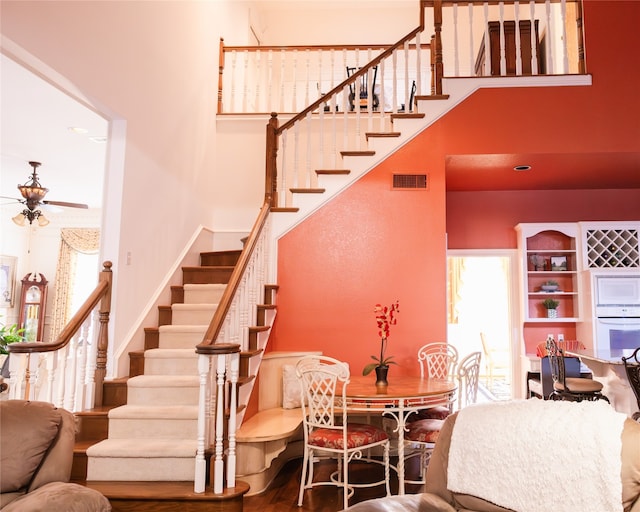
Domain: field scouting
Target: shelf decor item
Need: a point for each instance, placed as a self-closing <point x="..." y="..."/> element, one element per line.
<point x="385" y="318"/>
<point x="550" y="286"/>
<point x="558" y="263"/>
<point x="551" y="306"/>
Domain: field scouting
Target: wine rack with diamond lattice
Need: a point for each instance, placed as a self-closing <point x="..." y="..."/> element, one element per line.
<point x="612" y="248"/>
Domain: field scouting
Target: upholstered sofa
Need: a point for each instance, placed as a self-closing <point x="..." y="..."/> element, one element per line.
<point x="36" y="454"/>
<point x="566" y="473"/>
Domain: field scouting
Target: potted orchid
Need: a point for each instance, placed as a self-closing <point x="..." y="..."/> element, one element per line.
<point x="385" y="318"/>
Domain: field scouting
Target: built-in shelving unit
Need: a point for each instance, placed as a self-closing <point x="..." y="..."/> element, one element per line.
<point x="549" y="252"/>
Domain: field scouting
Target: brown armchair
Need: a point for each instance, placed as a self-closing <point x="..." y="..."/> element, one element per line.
<point x="36" y="454"/>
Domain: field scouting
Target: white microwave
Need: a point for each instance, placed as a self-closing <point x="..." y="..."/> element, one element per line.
<point x="617" y="295"/>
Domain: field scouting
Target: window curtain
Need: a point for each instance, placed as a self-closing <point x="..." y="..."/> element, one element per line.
<point x="72" y="242"/>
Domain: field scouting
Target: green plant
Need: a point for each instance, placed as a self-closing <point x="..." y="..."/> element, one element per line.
<point x="385" y="317"/>
<point x="9" y="334"/>
<point x="550" y="303"/>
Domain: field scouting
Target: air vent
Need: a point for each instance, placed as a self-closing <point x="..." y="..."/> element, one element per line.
<point x="409" y="182"/>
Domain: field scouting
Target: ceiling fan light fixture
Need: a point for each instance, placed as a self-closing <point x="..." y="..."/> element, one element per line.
<point x="19" y="219"/>
<point x="32" y="191"/>
<point x="42" y="220"/>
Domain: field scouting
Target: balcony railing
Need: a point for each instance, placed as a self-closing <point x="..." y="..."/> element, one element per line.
<point x="456" y="38"/>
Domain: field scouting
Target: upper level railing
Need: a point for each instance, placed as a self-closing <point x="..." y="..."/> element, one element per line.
<point x="460" y="38"/>
<point x="68" y="372"/>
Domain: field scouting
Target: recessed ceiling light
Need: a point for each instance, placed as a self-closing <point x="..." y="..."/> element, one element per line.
<point x="100" y="139"/>
<point x="77" y="129"/>
<point x="522" y="168"/>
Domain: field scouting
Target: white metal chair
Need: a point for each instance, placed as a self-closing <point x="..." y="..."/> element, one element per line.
<point x="327" y="431"/>
<point x="468" y="375"/>
<point x="438" y="360"/>
<point x="424" y="433"/>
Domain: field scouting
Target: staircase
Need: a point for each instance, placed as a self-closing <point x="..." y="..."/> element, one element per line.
<point x="140" y="447"/>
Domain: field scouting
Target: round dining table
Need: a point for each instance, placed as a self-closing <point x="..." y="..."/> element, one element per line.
<point x="402" y="397"/>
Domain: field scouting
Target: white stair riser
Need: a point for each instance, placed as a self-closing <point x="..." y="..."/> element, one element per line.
<point x="178" y="366"/>
<point x="186" y="316"/>
<point x="163" y="395"/>
<point x="180" y="339"/>
<point x="176" y="469"/>
<point x="150" y="428"/>
<point x="202" y="294"/>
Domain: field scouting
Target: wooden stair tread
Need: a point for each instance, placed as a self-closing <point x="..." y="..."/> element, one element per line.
<point x="307" y="190"/>
<point x="382" y="134"/>
<point x="337" y="172"/>
<point x="407" y="116"/>
<point x="433" y="97"/>
<point x="285" y="210"/>
<point x="358" y="153"/>
<point x="162" y="491"/>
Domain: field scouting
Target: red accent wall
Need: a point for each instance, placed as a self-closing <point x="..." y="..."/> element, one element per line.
<point x="371" y="244"/>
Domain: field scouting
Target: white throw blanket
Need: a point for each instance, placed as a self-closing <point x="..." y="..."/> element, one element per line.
<point x="539" y="455"/>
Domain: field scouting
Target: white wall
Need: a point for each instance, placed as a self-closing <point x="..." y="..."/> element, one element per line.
<point x="151" y="68"/>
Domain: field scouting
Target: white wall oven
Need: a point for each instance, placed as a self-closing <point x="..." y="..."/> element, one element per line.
<point x="617" y="306"/>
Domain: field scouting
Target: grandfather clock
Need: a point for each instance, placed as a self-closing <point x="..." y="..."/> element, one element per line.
<point x="33" y="300"/>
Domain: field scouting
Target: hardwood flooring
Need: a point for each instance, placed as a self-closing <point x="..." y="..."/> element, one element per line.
<point x="282" y="494"/>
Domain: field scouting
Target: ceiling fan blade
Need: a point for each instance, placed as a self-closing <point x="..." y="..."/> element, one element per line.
<point x="64" y="203"/>
<point x="11" y="198"/>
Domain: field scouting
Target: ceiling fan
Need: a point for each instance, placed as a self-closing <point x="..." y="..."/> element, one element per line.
<point x="33" y="198"/>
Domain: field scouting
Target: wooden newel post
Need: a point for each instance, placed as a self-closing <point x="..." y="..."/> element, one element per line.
<point x="271" y="178"/>
<point x="220" y="74"/>
<point x="103" y="333"/>
<point x="437" y="23"/>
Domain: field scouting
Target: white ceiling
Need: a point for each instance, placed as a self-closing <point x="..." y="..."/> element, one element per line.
<point x="34" y="126"/>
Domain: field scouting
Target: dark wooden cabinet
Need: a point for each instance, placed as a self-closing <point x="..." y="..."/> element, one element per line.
<point x="494" y="53"/>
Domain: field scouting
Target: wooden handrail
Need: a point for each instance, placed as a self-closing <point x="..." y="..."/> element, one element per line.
<point x="352" y="79"/>
<point x="234" y="282"/>
<point x="101" y="291"/>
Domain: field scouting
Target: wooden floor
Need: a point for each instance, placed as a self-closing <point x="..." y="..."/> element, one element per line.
<point x="282" y="495"/>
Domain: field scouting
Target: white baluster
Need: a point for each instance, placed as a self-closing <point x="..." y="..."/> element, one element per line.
<point x="418" y="64"/>
<point x="270" y="81"/>
<point x="50" y="365"/>
<point x="563" y="24"/>
<point x="258" y="74"/>
<point x="245" y="81"/>
<point x="456" y="58"/>
<point x="381" y="99"/>
<point x="234" y="365"/>
<point x="232" y="101"/>
<point x="90" y="380"/>
<point x="307" y="54"/>
<point x="61" y="373"/>
<point x="283" y="171"/>
<point x="295" y="88"/>
<point x="307" y="169"/>
<point x="283" y="59"/>
<point x="218" y="464"/>
<point x="406" y="76"/>
<point x="516" y="7"/>
<point x="487" y="43"/>
<point x="551" y="68"/>
<point x="201" y="466"/>
<point x="503" y="50"/>
<point x="534" y="40"/>
<point x="345" y="117"/>
<point x="471" y="42"/>
<point x="70" y="391"/>
<point x="394" y="80"/>
<point x="296" y="156"/>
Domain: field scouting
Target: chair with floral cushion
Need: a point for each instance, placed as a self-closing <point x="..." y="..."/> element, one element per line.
<point x="424" y="432"/>
<point x="327" y="431"/>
